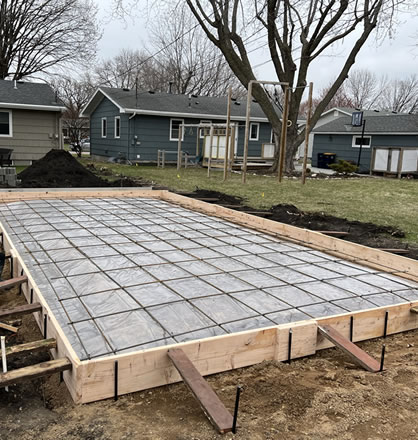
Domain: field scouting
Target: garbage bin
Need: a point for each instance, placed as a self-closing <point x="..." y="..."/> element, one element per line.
<point x="325" y="159"/>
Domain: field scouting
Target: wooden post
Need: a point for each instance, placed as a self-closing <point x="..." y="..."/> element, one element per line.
<point x="228" y="121"/>
<point x="210" y="148"/>
<point x="283" y="136"/>
<point x="247" y="132"/>
<point x="307" y="129"/>
<point x="232" y="147"/>
<point x="179" y="148"/>
<point x="163" y="159"/>
<point x="400" y="160"/>
<point x="197" y="141"/>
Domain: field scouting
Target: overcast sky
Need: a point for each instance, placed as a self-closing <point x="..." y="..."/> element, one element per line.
<point x="395" y="57"/>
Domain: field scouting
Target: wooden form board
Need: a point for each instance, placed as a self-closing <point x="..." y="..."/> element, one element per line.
<point x="93" y="380"/>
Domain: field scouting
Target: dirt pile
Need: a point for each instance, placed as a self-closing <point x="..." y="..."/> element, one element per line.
<point x="59" y="169"/>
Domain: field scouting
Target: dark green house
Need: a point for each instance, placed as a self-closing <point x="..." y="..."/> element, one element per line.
<point x="136" y="124"/>
<point x="389" y="145"/>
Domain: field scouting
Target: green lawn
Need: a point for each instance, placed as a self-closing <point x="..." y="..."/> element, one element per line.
<point x="381" y="201"/>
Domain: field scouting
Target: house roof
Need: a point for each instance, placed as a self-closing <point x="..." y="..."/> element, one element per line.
<point x="169" y="104"/>
<point x="28" y="96"/>
<point x="385" y="123"/>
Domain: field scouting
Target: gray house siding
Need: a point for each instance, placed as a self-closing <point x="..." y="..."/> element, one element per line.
<point x="108" y="146"/>
<point x="254" y="147"/>
<point x="141" y="136"/>
<point x="34" y="133"/>
<point x="341" y="144"/>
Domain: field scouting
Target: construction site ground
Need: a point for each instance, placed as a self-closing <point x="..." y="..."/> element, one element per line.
<point x="320" y="397"/>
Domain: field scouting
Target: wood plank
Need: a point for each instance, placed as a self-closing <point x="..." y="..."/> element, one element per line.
<point x="8" y="327"/>
<point x="7" y="284"/>
<point x="395" y="251"/>
<point x="414" y="309"/>
<point x="25" y="309"/>
<point x="358" y="355"/>
<point x="335" y="233"/>
<point x="212" y="406"/>
<point x="34" y="371"/>
<point x="41" y="345"/>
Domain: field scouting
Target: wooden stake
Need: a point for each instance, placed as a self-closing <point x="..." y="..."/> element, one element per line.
<point x="307" y="129"/>
<point x="42" y="345"/>
<point x="283" y="137"/>
<point x="247" y="132"/>
<point x="228" y="121"/>
<point x="210" y="149"/>
<point x="179" y="147"/>
<point x="8" y="327"/>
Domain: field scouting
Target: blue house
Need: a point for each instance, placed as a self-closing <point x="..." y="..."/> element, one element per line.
<point x="136" y="124"/>
<point x="389" y="145"/>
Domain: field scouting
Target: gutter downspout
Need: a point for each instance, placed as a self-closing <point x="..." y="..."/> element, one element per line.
<point x="129" y="132"/>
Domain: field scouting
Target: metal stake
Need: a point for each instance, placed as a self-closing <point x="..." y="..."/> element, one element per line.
<point x="234" y="424"/>
<point x="289" y="348"/>
<point x="351" y="328"/>
<point x="116" y="380"/>
<point x="45" y="326"/>
<point x="382" y="358"/>
<point x="385" y="331"/>
<point x="31" y="296"/>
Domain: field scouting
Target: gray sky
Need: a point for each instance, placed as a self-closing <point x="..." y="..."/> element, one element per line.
<point x="396" y="57"/>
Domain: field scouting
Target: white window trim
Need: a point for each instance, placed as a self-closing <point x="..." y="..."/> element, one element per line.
<point x="105" y="136"/>
<point x="117" y="118"/>
<point x="201" y="135"/>
<point x="171" y="129"/>
<point x="10" y="124"/>
<point x="258" y="131"/>
<point x="363" y="146"/>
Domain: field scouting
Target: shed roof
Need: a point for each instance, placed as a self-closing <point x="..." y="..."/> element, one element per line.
<point x="170" y="104"/>
<point x="30" y="96"/>
<point x="385" y="123"/>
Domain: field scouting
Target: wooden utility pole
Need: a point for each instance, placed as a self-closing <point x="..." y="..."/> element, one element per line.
<point x="179" y="148"/>
<point x="307" y="130"/>
<point x="247" y="132"/>
<point x="228" y="121"/>
<point x="210" y="149"/>
<point x="283" y="136"/>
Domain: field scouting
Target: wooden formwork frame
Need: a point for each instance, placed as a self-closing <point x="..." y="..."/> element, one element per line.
<point x="94" y="380"/>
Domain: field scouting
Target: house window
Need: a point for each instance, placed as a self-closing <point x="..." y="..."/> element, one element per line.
<point x="365" y="143"/>
<point x="104" y="127"/>
<point x="254" y="129"/>
<point x="6" y="123"/>
<point x="202" y="130"/>
<point x="117" y="127"/>
<point x="174" y="129"/>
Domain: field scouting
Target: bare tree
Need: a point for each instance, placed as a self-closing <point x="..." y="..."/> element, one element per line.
<point x="400" y="95"/>
<point x="184" y="57"/>
<point x="37" y="35"/>
<point x="192" y="63"/>
<point x="363" y="88"/>
<point x="75" y="95"/>
<point x="297" y="33"/>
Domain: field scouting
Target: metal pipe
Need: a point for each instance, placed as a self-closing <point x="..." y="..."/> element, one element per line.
<point x="382" y="358"/>
<point x="116" y="380"/>
<point x="234" y="424"/>
<point x="289" y="348"/>
<point x="385" y="331"/>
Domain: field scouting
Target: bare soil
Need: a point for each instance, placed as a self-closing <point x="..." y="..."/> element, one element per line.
<point x="321" y="397"/>
<point x="367" y="234"/>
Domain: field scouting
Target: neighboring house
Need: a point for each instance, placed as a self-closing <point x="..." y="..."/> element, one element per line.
<point x="328" y="116"/>
<point x="390" y="142"/>
<point x="135" y="125"/>
<point x="30" y="120"/>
